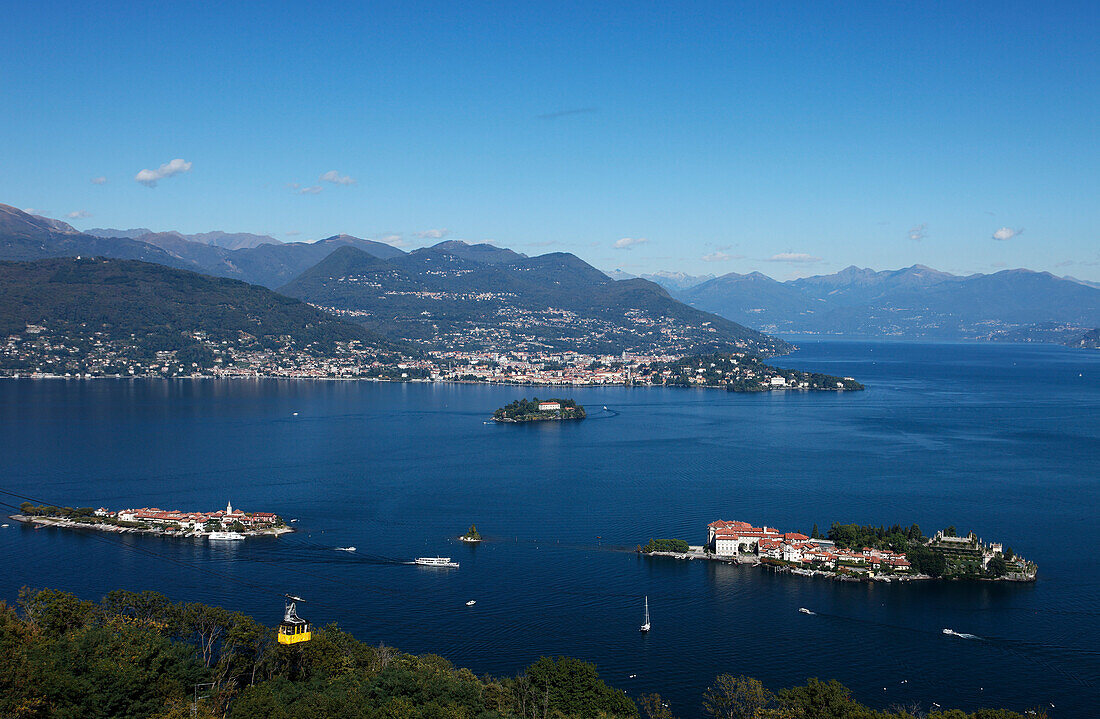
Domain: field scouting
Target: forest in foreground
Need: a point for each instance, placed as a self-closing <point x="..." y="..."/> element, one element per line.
<point x="138" y="655"/>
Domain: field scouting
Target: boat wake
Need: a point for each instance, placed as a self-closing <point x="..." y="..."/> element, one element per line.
<point x="345" y="549"/>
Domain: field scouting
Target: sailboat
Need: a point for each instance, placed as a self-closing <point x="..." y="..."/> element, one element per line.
<point x="645" y="627"/>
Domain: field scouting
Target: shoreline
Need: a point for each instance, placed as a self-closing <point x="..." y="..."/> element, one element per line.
<point x="42" y="522"/>
<point x="764" y="390"/>
<point x="754" y="561"/>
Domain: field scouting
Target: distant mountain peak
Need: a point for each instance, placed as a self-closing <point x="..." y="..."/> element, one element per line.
<point x="482" y="252"/>
<point x="16" y="221"/>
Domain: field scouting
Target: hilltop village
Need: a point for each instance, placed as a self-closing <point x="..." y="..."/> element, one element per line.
<point x="228" y="523"/>
<point x="853" y="552"/>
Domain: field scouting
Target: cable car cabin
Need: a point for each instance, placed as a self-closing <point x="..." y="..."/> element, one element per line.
<point x="293" y="629"/>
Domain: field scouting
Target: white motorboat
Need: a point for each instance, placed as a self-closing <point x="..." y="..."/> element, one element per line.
<point x="345" y="549"/>
<point x="804" y="610"/>
<point x="645" y="627"/>
<point x="471" y="603"/>
<point x="435" y="562"/>
<point x="225" y="536"/>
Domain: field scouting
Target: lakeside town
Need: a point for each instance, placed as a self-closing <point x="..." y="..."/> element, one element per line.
<point x="852" y="552"/>
<point x="224" y="524"/>
<point x="39" y="353"/>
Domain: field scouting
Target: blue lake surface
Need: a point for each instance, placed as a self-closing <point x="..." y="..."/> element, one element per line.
<point x="1001" y="439"/>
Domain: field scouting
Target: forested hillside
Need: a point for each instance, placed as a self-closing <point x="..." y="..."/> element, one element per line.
<point x="455" y="296"/>
<point x="138" y="655"/>
<point x="58" y="312"/>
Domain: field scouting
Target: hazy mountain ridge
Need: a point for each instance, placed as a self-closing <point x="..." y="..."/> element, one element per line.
<point x="217" y="238"/>
<point x="915" y="301"/>
<point x="26" y="237"/>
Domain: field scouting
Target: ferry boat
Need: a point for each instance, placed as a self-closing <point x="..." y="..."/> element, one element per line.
<point x="435" y="562"/>
<point x="225" y="536"/>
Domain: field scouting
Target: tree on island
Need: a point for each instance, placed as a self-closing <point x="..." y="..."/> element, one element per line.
<point x="472" y="534"/>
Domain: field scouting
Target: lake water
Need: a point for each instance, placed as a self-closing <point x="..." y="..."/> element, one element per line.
<point x="1001" y="439"/>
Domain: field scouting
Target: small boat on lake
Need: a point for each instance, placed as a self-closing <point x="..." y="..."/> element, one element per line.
<point x="435" y="562"/>
<point x="471" y="603"/>
<point x="345" y="549"/>
<point x="804" y="610"/>
<point x="645" y="627"/>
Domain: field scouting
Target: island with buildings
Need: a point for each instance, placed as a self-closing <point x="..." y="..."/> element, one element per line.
<point x="536" y="410"/>
<point x="223" y="524"/>
<point x="853" y="552"/>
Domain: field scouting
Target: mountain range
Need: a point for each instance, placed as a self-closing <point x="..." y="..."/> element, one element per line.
<point x="914" y="302"/>
<point x="454" y="294"/>
<point x="228" y="240"/>
<point x="450" y="295"/>
<point x="459" y="296"/>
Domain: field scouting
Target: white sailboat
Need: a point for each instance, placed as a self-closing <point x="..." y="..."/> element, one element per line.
<point x="645" y="627"/>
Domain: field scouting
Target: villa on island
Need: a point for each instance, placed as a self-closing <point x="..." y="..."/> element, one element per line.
<point x="736" y="539"/>
<point x="894" y="553"/>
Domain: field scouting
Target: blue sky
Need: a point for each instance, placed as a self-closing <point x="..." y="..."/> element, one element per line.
<point x="790" y="138"/>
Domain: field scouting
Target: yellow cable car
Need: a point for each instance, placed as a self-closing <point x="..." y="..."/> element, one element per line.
<point x="293" y="629"/>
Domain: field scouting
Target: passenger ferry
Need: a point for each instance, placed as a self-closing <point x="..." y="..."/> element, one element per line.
<point x="230" y="536"/>
<point x="435" y="562"/>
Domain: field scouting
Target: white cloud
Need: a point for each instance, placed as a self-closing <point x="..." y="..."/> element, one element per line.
<point x="437" y="234"/>
<point x="1006" y="233"/>
<point x="311" y="190"/>
<point x="149" y="177"/>
<point x="794" y="257"/>
<point x="78" y="215"/>
<point x="919" y="232"/>
<point x="718" y="256"/>
<point x="33" y="211"/>
<point x="336" y="178"/>
<point x="99" y="180"/>
<point x="394" y="240"/>
<point x="628" y="242"/>
<point x="292" y="233"/>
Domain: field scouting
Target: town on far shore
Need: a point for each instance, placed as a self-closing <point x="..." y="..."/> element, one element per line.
<point x="223" y="524"/>
<point x="43" y="355"/>
<point x="852" y="552"/>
